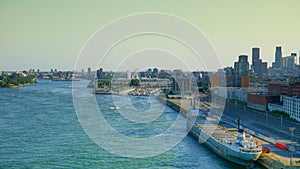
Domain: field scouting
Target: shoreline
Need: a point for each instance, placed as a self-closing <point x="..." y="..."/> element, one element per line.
<point x="17" y="86"/>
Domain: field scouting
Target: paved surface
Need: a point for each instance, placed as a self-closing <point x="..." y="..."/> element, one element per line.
<point x="268" y="120"/>
<point x="266" y="126"/>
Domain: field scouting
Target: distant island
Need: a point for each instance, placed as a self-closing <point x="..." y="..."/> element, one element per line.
<point x="16" y="79"/>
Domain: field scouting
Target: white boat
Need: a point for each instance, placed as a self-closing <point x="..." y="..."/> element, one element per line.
<point x="114" y="108"/>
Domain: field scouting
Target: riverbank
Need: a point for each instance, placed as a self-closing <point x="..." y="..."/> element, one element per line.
<point x="174" y="105"/>
<point x="17" y="86"/>
<point x="110" y="92"/>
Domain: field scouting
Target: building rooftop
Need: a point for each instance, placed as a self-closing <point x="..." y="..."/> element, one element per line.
<point x="244" y="89"/>
<point x="263" y="94"/>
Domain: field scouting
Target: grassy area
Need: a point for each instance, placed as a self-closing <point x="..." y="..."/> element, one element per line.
<point x="238" y="102"/>
<point x="279" y="113"/>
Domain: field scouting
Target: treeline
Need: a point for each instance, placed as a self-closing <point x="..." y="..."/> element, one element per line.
<point x="9" y="81"/>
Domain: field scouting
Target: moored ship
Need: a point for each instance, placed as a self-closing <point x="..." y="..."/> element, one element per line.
<point x="236" y="147"/>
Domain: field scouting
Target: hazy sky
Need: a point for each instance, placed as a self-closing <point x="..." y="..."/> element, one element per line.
<point x="50" y="34"/>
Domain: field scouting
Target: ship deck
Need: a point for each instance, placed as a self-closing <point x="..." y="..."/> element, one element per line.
<point x="218" y="132"/>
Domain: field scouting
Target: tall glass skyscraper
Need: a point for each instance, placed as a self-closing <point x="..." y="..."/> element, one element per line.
<point x="278" y="57"/>
<point x="258" y="67"/>
<point x="255" y="60"/>
<point x="241" y="68"/>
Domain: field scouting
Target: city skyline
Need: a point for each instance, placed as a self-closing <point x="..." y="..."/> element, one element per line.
<point x="45" y="35"/>
<point x="255" y="54"/>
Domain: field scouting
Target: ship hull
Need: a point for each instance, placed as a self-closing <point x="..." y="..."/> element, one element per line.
<point x="219" y="148"/>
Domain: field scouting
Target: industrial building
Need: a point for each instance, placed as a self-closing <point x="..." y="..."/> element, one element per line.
<point x="259" y="101"/>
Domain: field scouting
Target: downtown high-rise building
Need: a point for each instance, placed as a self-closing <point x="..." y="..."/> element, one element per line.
<point x="255" y="59"/>
<point x="229" y="76"/>
<point x="289" y="62"/>
<point x="278" y="58"/>
<point x="100" y="74"/>
<point x="241" y="71"/>
<point x="258" y="67"/>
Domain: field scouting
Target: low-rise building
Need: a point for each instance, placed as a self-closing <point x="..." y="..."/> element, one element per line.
<point x="214" y="80"/>
<point x="274" y="88"/>
<point x="274" y="107"/>
<point x="259" y="101"/>
<point x="236" y="93"/>
<point x="291" y="105"/>
<point x="245" y="81"/>
<point x="291" y="89"/>
<point x="181" y="86"/>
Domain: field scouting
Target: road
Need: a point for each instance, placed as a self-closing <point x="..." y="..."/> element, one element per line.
<point x="267" y="120"/>
<point x="266" y="125"/>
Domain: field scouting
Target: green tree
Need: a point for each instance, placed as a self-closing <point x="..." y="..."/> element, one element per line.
<point x="135" y="82"/>
<point x="8" y="81"/>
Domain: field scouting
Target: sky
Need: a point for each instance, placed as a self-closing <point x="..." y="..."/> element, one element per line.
<point x="51" y="34"/>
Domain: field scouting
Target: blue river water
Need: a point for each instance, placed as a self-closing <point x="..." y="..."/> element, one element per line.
<point x="39" y="128"/>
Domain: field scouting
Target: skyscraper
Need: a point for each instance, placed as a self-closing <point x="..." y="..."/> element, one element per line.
<point x="295" y="57"/>
<point x="255" y="60"/>
<point x="278" y="57"/>
<point x="291" y="61"/>
<point x="89" y="72"/>
<point x="263" y="67"/>
<point x="229" y="75"/>
<point x="258" y="66"/>
<point x="100" y="74"/>
<point x="241" y="68"/>
<point x="299" y="58"/>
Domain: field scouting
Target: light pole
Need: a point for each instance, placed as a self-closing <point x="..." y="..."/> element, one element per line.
<point x="292" y="129"/>
<point x="266" y="117"/>
<point x="235" y="104"/>
<point x="281" y="121"/>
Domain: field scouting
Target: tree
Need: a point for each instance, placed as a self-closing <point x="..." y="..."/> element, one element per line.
<point x="8" y="81"/>
<point x="109" y="76"/>
<point x="135" y="82"/>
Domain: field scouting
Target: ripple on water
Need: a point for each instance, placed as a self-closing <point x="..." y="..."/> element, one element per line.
<point x="39" y="129"/>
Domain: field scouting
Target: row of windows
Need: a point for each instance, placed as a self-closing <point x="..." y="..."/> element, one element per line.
<point x="292" y="107"/>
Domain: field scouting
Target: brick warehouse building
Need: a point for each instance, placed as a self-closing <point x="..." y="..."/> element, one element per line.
<point x="292" y="89"/>
<point x="260" y="101"/>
